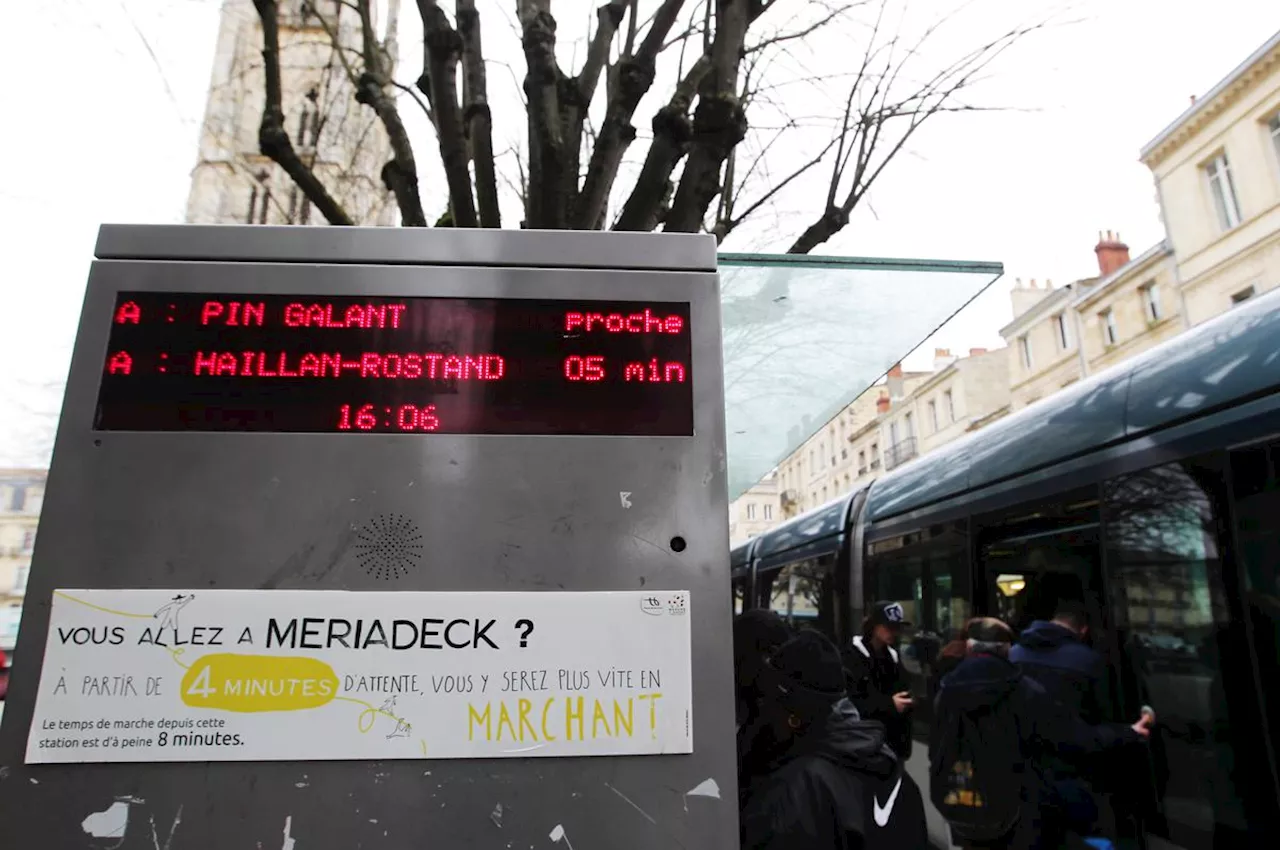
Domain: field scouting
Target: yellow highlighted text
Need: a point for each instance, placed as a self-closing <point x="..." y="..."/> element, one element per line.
<point x="250" y="683"/>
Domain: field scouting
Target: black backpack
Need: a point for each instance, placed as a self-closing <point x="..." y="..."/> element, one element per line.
<point x="976" y="768"/>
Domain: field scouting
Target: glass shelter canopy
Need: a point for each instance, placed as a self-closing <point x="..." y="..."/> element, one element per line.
<point x="804" y="336"/>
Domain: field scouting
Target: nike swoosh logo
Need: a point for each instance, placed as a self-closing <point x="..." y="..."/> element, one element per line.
<point x="881" y="813"/>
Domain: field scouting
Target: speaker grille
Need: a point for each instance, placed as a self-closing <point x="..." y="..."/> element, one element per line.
<point x="388" y="547"/>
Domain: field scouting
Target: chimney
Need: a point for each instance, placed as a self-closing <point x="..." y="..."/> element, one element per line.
<point x="895" y="382"/>
<point x="883" y="403"/>
<point x="1024" y="297"/>
<point x="942" y="358"/>
<point x="1112" y="253"/>
<point x="977" y="352"/>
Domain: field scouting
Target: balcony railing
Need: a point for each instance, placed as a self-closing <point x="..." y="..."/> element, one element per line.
<point x="899" y="454"/>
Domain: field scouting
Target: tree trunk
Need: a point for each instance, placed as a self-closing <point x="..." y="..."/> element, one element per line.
<point x="672" y="134"/>
<point x="546" y="209"/>
<point x="476" y="114"/>
<point x="442" y="48"/>
<point x="719" y="122"/>
<point x="831" y="223"/>
<point x="633" y="78"/>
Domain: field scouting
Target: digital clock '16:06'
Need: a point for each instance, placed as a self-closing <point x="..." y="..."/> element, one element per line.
<point x="293" y="363"/>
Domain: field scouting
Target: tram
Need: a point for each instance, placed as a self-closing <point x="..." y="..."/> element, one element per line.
<point x="1151" y="492"/>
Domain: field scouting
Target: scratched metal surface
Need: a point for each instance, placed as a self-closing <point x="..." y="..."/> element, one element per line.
<point x="279" y="511"/>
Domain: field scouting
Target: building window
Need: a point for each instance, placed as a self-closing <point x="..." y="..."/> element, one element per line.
<point x="253" y="205"/>
<point x="1223" y="190"/>
<point x="1110" y="336"/>
<point x="910" y="426"/>
<point x="875" y="455"/>
<point x="1274" y="127"/>
<point x="1024" y="348"/>
<point x="862" y="462"/>
<point x="844" y="454"/>
<point x="1243" y="295"/>
<point x="951" y="405"/>
<point x="893" y="433"/>
<point x="824" y="495"/>
<point x="20" y="578"/>
<point x="813" y="465"/>
<point x="933" y="414"/>
<point x="1064" y="334"/>
<point x="1150" y="301"/>
<point x="28" y="541"/>
<point x="768" y="511"/>
<point x="751" y="511"/>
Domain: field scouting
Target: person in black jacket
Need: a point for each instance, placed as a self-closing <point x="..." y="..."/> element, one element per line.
<point x="1047" y="733"/>
<point x="876" y="683"/>
<point x="757" y="634"/>
<point x="1054" y="653"/>
<point x="832" y="783"/>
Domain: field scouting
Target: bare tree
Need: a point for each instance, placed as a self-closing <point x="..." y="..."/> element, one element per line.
<point x="696" y="173"/>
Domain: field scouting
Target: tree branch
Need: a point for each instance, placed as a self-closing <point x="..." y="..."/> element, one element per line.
<point x="273" y="139"/>
<point x="476" y="114"/>
<point x="632" y="80"/>
<point x="400" y="173"/>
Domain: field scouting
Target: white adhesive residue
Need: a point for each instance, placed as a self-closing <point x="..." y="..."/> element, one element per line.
<point x="496" y="816"/>
<point x="705" y="788"/>
<point x="288" y="839"/>
<point x="110" y="823"/>
<point x="557" y="835"/>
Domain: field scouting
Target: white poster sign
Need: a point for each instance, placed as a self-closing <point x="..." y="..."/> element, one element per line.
<point x="256" y="675"/>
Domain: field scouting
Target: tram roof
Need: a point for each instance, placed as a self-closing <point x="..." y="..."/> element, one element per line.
<point x="812" y="534"/>
<point x="1231" y="358"/>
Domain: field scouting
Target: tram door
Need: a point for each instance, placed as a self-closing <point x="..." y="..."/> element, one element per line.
<point x="1032" y="557"/>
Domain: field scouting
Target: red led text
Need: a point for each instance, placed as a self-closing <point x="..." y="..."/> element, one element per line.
<point x="616" y="323"/>
<point x="403" y="417"/>
<point x="654" y="373"/>
<point x="262" y="364"/>
<point x="355" y="316"/>
<point x="588" y="369"/>
<point x="128" y="313"/>
<point x="119" y="363"/>
<point x="233" y="314"/>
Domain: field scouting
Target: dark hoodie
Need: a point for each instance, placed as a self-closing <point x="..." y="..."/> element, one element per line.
<point x="1071" y="671"/>
<point x="839" y="772"/>
<point x="1051" y="736"/>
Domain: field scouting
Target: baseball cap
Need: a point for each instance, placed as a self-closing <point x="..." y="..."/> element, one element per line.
<point x="888" y="613"/>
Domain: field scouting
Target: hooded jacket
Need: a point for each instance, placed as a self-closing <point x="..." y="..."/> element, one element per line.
<point x="1072" y="672"/>
<point x="873" y="679"/>
<point x="836" y="787"/>
<point x="1051" y="736"/>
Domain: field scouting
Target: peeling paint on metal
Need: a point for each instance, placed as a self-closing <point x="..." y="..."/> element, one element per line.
<point x="288" y="837"/>
<point x="705" y="788"/>
<point x="496" y="816"/>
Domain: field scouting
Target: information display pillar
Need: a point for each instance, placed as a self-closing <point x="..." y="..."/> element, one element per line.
<point x="382" y="538"/>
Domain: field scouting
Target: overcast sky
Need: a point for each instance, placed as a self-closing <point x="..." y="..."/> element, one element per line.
<point x="104" y="99"/>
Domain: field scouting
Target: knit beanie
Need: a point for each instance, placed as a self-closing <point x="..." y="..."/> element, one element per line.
<point x="807" y="675"/>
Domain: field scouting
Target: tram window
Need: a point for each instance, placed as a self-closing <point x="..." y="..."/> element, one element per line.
<point x="1040" y="555"/>
<point x="1255" y="478"/>
<point x="1171" y="613"/>
<point x="739" y="594"/>
<point x="804" y="593"/>
<point x="927" y="572"/>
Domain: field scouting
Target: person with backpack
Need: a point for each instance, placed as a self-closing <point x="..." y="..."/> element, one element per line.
<point x="831" y="782"/>
<point x="1055" y="653"/>
<point x="995" y="739"/>
<point x="876" y="683"/>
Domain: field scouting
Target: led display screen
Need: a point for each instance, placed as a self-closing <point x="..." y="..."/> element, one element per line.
<point x="377" y="365"/>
